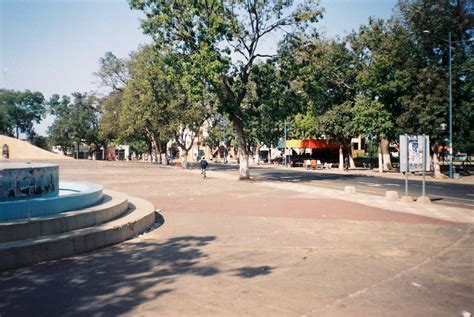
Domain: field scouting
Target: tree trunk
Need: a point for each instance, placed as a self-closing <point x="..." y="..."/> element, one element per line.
<point x="387" y="164"/>
<point x="244" y="171"/>
<point x="184" y="158"/>
<point x="380" y="158"/>
<point x="104" y="152"/>
<point x="163" y="153"/>
<point x="351" y="159"/>
<point x="341" y="158"/>
<point x="155" y="150"/>
<point x="257" y="153"/>
<point x="436" y="166"/>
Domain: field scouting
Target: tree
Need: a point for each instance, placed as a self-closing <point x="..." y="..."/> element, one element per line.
<point x="405" y="70"/>
<point x="384" y="50"/>
<point x="58" y="132"/>
<point x="426" y="104"/>
<point x="75" y="121"/>
<point x="272" y="101"/>
<point x="114" y="72"/>
<point x="212" y="30"/>
<point x="337" y="124"/>
<point x="6" y="122"/>
<point x="327" y="72"/>
<point x="144" y="105"/>
<point x="371" y="118"/>
<point x="326" y="79"/>
<point x="21" y="110"/>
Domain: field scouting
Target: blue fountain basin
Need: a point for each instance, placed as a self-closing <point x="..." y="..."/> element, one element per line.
<point x="71" y="196"/>
<point x="20" y="181"/>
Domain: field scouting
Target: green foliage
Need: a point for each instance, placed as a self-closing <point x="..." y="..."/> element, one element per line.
<point x="76" y="120"/>
<point x="326" y="72"/>
<point x="113" y="72"/>
<point x="109" y="128"/>
<point x="430" y="22"/>
<point x="305" y="126"/>
<point x="40" y="141"/>
<point x="219" y="130"/>
<point x="370" y="118"/>
<point x="164" y="98"/>
<point x="19" y="110"/>
<point x="213" y="33"/>
<point x="388" y="77"/>
<point x="271" y="100"/>
<point x="337" y="124"/>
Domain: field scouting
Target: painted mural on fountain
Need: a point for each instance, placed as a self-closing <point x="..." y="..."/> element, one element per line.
<point x="29" y="182"/>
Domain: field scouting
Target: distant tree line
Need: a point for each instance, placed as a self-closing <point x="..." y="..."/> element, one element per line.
<point x="205" y="63"/>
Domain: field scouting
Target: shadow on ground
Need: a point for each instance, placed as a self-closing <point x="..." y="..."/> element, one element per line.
<point x="110" y="281"/>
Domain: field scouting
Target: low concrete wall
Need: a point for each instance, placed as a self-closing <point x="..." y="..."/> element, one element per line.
<point x="113" y="205"/>
<point x="140" y="217"/>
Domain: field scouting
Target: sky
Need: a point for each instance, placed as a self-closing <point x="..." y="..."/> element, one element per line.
<point x="54" y="46"/>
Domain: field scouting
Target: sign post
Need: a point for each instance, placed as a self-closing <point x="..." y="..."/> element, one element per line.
<point x="414" y="156"/>
<point x="424" y="164"/>
<point x="404" y="159"/>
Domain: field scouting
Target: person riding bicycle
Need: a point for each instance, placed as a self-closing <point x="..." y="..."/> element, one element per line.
<point x="203" y="163"/>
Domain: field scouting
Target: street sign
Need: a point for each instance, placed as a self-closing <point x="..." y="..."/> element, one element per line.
<point x="412" y="148"/>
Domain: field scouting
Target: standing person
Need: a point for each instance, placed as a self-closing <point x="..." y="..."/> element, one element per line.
<point x="346" y="163"/>
<point x="203" y="163"/>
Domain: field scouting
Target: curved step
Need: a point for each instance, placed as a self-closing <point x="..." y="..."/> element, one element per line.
<point x="140" y="216"/>
<point x="112" y="206"/>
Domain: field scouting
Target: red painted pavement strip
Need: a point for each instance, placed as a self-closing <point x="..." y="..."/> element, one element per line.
<point x="332" y="209"/>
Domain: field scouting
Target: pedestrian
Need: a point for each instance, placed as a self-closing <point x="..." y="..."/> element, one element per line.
<point x="346" y="163"/>
<point x="203" y="163"/>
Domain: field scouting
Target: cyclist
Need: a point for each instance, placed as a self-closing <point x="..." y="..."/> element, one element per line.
<point x="203" y="163"/>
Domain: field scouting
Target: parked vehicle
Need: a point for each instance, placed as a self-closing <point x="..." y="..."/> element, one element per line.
<point x="460" y="157"/>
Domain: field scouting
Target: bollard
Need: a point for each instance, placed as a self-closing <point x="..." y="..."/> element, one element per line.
<point x="424" y="200"/>
<point x="407" y="199"/>
<point x="391" y="195"/>
<point x="350" y="189"/>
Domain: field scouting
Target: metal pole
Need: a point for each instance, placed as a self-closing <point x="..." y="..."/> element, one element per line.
<point x="450" y="112"/>
<point x="424" y="165"/>
<point x="406" y="169"/>
<point x="286" y="160"/>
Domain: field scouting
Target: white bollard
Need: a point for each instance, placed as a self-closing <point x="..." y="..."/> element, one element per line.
<point x="350" y="189"/>
<point x="424" y="200"/>
<point x="391" y="195"/>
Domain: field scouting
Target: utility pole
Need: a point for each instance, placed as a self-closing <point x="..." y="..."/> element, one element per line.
<point x="450" y="111"/>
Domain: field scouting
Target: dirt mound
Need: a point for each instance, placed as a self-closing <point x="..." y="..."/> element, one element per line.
<point x="19" y="150"/>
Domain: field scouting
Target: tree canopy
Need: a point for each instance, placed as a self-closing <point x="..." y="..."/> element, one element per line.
<point x="19" y="111"/>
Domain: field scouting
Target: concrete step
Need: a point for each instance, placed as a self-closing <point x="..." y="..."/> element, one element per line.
<point x="139" y="217"/>
<point x="112" y="206"/>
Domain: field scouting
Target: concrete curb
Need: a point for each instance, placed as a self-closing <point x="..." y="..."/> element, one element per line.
<point x="428" y="210"/>
<point x="140" y="216"/>
<point x="112" y="207"/>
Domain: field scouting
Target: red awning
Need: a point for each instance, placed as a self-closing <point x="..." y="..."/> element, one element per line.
<point x="318" y="144"/>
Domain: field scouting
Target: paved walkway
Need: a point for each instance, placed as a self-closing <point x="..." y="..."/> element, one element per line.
<point x="242" y="248"/>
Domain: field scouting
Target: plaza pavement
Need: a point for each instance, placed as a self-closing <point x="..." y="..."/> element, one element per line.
<point x="230" y="248"/>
